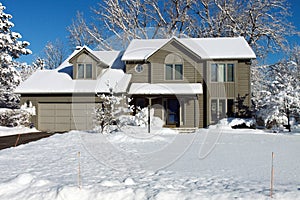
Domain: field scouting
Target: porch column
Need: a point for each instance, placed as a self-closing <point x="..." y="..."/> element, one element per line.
<point x="195" y="111"/>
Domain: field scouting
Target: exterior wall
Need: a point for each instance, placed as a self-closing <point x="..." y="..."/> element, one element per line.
<point x="201" y="116"/>
<point x="86" y="59"/>
<point x="191" y="113"/>
<point x="227" y="90"/>
<point x="142" y="77"/>
<point x="192" y="66"/>
<point x="244" y="82"/>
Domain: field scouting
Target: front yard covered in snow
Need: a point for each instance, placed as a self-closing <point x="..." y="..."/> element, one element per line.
<point x="215" y="163"/>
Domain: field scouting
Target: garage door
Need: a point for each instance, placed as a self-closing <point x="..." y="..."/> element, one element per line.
<point x="65" y="116"/>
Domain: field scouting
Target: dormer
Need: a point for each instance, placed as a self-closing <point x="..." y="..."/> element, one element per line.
<point x="86" y="65"/>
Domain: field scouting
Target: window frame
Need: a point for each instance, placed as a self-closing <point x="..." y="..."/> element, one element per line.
<point x="217" y="102"/>
<point x="174" y="72"/>
<point x="222" y="71"/>
<point x="139" y="68"/>
<point x="173" y="63"/>
<point x="85" y="71"/>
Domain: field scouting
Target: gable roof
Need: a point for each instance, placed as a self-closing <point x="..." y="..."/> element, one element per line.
<point x="206" y="48"/>
<point x="111" y="59"/>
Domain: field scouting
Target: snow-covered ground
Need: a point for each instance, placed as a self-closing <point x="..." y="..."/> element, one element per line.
<point x="215" y="163"/>
<point x="5" y="131"/>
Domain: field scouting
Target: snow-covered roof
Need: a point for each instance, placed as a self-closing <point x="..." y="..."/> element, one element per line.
<point x="109" y="58"/>
<point x="52" y="82"/>
<point x="168" y="88"/>
<point x="205" y="48"/>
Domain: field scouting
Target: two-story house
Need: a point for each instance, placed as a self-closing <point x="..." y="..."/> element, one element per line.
<point x="189" y="82"/>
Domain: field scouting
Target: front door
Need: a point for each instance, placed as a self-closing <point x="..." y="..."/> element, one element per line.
<point x="172" y="108"/>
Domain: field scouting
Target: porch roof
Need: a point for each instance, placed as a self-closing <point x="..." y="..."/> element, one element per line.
<point x="168" y="88"/>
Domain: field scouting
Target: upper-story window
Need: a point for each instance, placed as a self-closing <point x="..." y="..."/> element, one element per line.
<point x="221" y="72"/>
<point x="84" y="71"/>
<point x="173" y="67"/>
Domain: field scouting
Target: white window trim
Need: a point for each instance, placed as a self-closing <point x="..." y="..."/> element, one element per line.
<point x="173" y="67"/>
<point x="141" y="67"/>
<point x="84" y="71"/>
<point x="173" y="71"/>
<point x="218" y="104"/>
<point x="226" y="71"/>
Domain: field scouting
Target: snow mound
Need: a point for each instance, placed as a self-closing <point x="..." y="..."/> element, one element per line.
<point x="233" y="122"/>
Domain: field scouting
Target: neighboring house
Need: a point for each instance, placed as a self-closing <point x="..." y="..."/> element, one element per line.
<point x="190" y="82"/>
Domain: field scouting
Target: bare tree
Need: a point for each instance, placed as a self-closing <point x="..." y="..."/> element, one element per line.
<point x="78" y="32"/>
<point x="121" y="21"/>
<point x="54" y="54"/>
<point x="264" y="24"/>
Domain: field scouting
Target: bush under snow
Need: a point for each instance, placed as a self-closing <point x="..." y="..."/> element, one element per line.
<point x="17" y="117"/>
<point x="14" y="117"/>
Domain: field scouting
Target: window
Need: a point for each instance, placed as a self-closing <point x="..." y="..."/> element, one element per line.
<point x="221" y="72"/>
<point x="178" y="72"/>
<point x="84" y="71"/>
<point x="173" y="67"/>
<point x="139" y="68"/>
<point x="80" y="71"/>
<point x="169" y="72"/>
<point x="220" y="108"/>
<point x="230" y="72"/>
<point x="174" y="72"/>
<point x="89" y="71"/>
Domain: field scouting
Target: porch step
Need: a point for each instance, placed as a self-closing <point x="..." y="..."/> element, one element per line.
<point x="185" y="130"/>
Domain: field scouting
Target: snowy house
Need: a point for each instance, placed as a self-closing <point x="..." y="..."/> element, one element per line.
<point x="190" y="82"/>
<point x="65" y="97"/>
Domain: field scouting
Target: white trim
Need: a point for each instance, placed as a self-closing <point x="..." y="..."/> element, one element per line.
<point x="141" y="68"/>
<point x="218" y="105"/>
<point x="173" y="67"/>
<point x="167" y="88"/>
<point x="182" y="111"/>
<point x="226" y="63"/>
<point x="84" y="70"/>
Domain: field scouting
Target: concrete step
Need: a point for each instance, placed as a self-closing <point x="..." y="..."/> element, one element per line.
<point x="185" y="130"/>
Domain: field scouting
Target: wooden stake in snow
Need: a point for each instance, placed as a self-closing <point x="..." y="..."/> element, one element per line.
<point x="272" y="176"/>
<point x="17" y="140"/>
<point x="79" y="173"/>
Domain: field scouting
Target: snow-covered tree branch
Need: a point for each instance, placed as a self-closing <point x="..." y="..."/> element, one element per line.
<point x="54" y="54"/>
<point x="264" y="24"/>
<point x="279" y="93"/>
<point x="10" y="49"/>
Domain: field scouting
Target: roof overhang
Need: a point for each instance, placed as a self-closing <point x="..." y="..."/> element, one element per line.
<point x="166" y="89"/>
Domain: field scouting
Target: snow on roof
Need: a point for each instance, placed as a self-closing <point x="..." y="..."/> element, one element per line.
<point x="110" y="58"/>
<point x="140" y="49"/>
<point x="219" y="48"/>
<point x="52" y="81"/>
<point x="169" y="88"/>
<point x="206" y="48"/>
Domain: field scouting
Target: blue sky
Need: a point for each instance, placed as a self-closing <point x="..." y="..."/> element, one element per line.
<point x="41" y="21"/>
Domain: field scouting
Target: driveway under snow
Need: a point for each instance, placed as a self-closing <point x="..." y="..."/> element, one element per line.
<point x="219" y="163"/>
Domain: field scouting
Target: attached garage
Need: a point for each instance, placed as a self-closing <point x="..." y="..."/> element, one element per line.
<point x="65" y="116"/>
